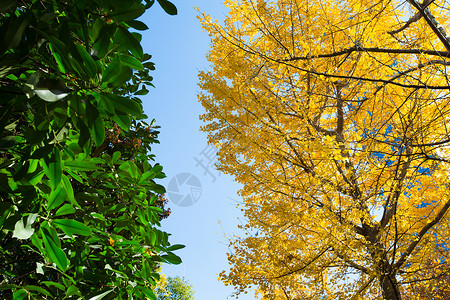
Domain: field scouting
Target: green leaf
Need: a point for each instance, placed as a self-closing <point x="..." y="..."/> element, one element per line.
<point x="55" y="284"/>
<point x="168" y="7"/>
<point x="123" y="104"/>
<point x="133" y="170"/>
<point x="42" y="151"/>
<point x="116" y="156"/>
<point x="66" y="209"/>
<point x="53" y="168"/>
<point x="147" y="292"/>
<point x="72" y="291"/>
<point x="137" y="25"/>
<point x="8" y="287"/>
<point x="69" y="227"/>
<point x="123" y="76"/>
<point x="100" y="296"/>
<point x="175" y="247"/>
<point x="69" y="189"/>
<point x="60" y="62"/>
<point x="22" y="232"/>
<point x="172" y="258"/>
<point x="152" y="237"/>
<point x="14" y="32"/>
<point x="147" y="176"/>
<point x="130" y="42"/>
<point x="20" y="294"/>
<point x="111" y="71"/>
<point x="131" y="12"/>
<point x="104" y="41"/>
<point x="88" y="61"/>
<point x="5" y="210"/>
<point x="56" y="198"/>
<point x="95" y="123"/>
<point x="54" y="252"/>
<point x="85" y="136"/>
<point x="4" y="186"/>
<point x="37" y="289"/>
<point x="146" y="269"/>
<point x="81" y="166"/>
<point x="142" y="91"/>
<point x="131" y="62"/>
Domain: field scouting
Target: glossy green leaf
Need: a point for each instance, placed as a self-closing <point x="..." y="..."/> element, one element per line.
<point x="175" y="247"/>
<point x="112" y="70"/>
<point x="20" y="294"/>
<point x="152" y="237"/>
<point x="147" y="176"/>
<point x="53" y="168"/>
<point x="147" y="292"/>
<point x="66" y="209"/>
<point x="88" y="61"/>
<point x="54" y="252"/>
<point x="67" y="185"/>
<point x="38" y="289"/>
<point x="122" y="77"/>
<point x="104" y="41"/>
<point x="172" y="258"/>
<point x="131" y="62"/>
<point x="131" y="43"/>
<point x="60" y="62"/>
<point x="70" y="227"/>
<point x="81" y="166"/>
<point x="72" y="291"/>
<point x="56" y="198"/>
<point x="123" y="104"/>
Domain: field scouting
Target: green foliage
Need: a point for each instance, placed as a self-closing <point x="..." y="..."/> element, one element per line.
<point x="174" y="288"/>
<point x="80" y="208"/>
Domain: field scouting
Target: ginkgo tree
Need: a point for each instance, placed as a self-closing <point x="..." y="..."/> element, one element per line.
<point x="333" y="115"/>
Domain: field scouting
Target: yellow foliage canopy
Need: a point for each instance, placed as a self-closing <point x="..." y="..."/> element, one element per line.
<point x="333" y="115"/>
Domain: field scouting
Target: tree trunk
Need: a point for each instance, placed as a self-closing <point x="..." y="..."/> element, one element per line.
<point x="389" y="285"/>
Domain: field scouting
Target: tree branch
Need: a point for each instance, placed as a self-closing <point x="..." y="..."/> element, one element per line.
<point x="443" y="54"/>
<point x="431" y="21"/>
<point x="420" y="235"/>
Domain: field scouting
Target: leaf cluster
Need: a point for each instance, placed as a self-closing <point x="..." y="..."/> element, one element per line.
<point x="80" y="206"/>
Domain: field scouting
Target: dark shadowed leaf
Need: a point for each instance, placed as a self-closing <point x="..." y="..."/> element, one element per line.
<point x="137" y="25"/>
<point x="168" y="7"/>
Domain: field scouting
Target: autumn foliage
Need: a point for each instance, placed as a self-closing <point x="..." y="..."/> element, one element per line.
<point x="333" y="115"/>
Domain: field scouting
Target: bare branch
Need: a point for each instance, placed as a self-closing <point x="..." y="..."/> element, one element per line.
<point x="431" y="21"/>
<point x="442" y="54"/>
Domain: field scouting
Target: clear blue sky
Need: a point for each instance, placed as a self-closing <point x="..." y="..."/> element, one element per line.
<point x="179" y="46"/>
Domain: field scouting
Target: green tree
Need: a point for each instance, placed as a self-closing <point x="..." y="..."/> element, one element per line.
<point x="174" y="288"/>
<point x="80" y="207"/>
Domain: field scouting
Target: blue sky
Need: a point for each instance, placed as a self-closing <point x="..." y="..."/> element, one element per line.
<point x="178" y="46"/>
